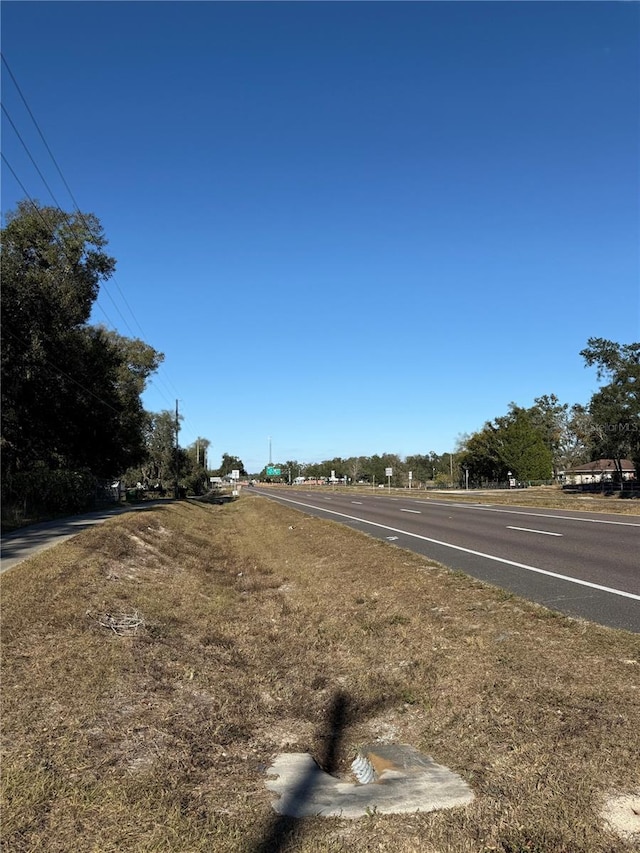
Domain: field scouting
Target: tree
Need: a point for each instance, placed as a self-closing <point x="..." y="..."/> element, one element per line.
<point x="423" y="467"/>
<point x="229" y="464"/>
<point x="197" y="480"/>
<point x="511" y="443"/>
<point x="615" y="408"/>
<point x="159" y="466"/>
<point x="522" y="448"/>
<point x="354" y="466"/>
<point x="563" y="430"/>
<point x="70" y="391"/>
<point x="197" y="452"/>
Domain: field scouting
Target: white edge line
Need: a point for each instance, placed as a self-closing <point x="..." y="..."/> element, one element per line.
<point x="416" y="511"/>
<point x="531" y="530"/>
<point x="465" y="550"/>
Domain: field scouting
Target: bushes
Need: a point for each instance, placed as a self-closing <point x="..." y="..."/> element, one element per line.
<point x="41" y="491"/>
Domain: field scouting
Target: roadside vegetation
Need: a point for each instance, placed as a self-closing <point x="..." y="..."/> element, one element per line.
<point x="153" y="667"/>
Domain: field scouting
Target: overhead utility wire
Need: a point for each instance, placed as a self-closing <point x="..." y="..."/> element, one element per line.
<point x="35" y="165"/>
<point x="47" y="225"/>
<point x="61" y="372"/>
<point x="33" y="119"/>
<point x="64" y="181"/>
<point x="57" y="204"/>
<point x="81" y="215"/>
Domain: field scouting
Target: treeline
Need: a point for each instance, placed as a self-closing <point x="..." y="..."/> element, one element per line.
<point x="541" y="442"/>
<point x="527" y="444"/>
<point x="167" y="468"/>
<point x="73" y="422"/>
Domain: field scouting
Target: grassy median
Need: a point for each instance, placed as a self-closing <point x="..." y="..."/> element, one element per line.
<point x="154" y="666"/>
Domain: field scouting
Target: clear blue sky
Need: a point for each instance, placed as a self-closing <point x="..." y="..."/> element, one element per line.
<point x="354" y="228"/>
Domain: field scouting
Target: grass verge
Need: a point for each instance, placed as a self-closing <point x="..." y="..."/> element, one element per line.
<point x="153" y="667"/>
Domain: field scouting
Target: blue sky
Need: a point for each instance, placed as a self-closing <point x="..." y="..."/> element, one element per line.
<point x="352" y="228"/>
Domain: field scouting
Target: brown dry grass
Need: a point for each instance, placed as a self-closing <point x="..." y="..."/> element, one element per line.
<point x="154" y="666"/>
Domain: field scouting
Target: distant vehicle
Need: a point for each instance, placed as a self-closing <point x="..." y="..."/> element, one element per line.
<point x="298" y="481"/>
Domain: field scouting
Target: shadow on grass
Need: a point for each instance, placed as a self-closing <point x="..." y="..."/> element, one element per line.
<point x="283" y="828"/>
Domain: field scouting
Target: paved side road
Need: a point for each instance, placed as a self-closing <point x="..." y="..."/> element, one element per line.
<point x="19" y="545"/>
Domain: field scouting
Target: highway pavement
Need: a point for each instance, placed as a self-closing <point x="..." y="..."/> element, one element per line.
<point x="583" y="564"/>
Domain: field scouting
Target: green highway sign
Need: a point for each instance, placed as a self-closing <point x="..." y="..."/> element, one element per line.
<point x="272" y="472"/>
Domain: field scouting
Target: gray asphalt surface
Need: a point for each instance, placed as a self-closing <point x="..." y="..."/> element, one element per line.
<point x="24" y="543"/>
<point x="580" y="563"/>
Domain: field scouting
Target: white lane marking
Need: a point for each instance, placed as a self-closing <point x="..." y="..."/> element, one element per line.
<point x="465" y="550"/>
<point x="487" y="508"/>
<point x="417" y="511"/>
<point x="531" y="530"/>
<point x="357" y="502"/>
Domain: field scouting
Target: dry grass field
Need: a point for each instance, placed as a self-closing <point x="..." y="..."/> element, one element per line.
<point x="154" y="666"/>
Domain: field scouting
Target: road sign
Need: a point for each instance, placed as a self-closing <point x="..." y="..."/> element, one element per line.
<point x="388" y="472"/>
<point x="272" y="472"/>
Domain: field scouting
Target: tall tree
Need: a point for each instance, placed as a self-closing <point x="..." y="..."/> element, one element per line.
<point x="564" y="430"/>
<point x="511" y="443"/>
<point x="70" y="391"/>
<point x="160" y="462"/>
<point x="197" y="451"/>
<point x="231" y="463"/>
<point x="615" y="408"/>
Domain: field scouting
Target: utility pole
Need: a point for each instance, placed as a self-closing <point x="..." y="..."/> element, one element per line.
<point x="175" y="482"/>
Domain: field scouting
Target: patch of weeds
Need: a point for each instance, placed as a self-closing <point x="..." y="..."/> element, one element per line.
<point x="408" y="697"/>
<point x="504" y="594"/>
<point x="398" y="619"/>
<point x="524" y="845"/>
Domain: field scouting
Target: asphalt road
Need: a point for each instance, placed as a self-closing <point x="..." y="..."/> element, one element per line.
<point x="579" y="563"/>
<point x="27" y="541"/>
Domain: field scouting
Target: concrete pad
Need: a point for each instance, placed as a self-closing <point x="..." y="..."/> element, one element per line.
<point x="622" y="813"/>
<point x="398" y="780"/>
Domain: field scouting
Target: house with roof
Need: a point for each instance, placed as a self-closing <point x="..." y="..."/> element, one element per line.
<point x="599" y="471"/>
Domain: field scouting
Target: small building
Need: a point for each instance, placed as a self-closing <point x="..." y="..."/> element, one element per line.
<point x="599" y="471"/>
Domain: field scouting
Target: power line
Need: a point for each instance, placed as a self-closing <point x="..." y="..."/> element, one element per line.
<point x="48" y="363"/>
<point x="48" y="225"/>
<point x="38" y="211"/>
<point x="35" y="165"/>
<point x="75" y="203"/>
<point x="77" y="208"/>
<point x="33" y="119"/>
